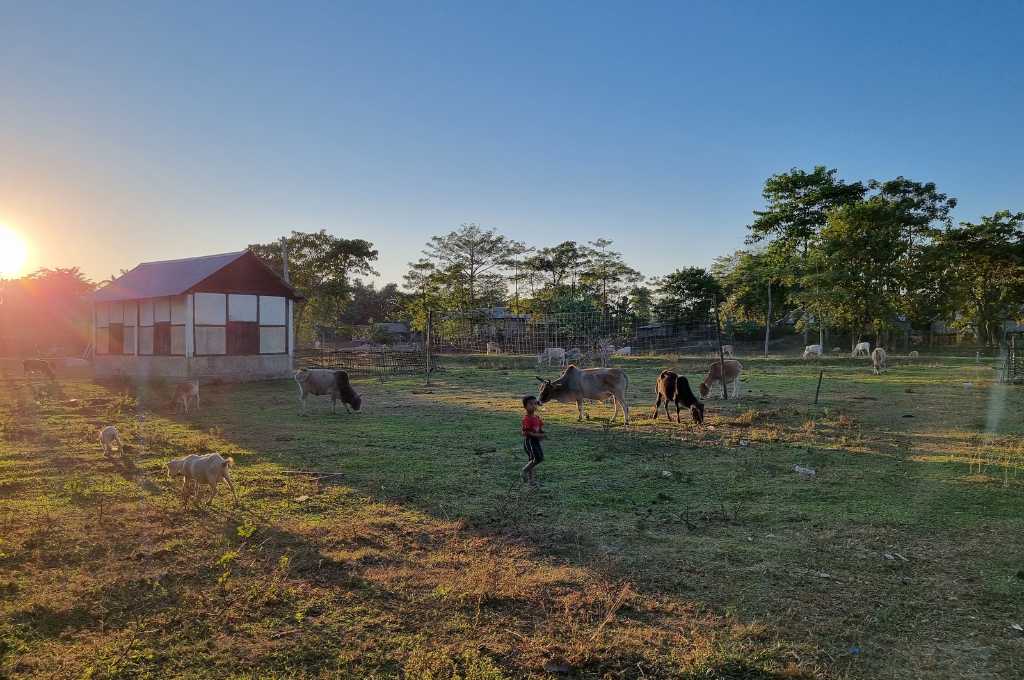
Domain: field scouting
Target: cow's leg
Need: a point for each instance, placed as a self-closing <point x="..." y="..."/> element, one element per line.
<point x="334" y="404"/>
<point x="302" y="401"/>
<point x="657" y="407"/>
<point x="625" y="411"/>
<point x="677" y="412"/>
<point x="615" y="409"/>
<point x="579" y="406"/>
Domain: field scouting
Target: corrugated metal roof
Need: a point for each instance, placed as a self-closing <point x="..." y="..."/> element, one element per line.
<point x="160" y="279"/>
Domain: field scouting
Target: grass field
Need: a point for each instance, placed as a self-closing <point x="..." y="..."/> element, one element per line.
<point x="658" y="550"/>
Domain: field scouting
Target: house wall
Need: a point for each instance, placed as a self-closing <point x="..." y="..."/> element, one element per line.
<point x="225" y="368"/>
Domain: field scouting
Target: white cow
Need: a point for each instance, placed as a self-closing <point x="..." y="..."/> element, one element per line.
<point x="551" y="354"/>
<point x="729" y="351"/>
<point x="863" y="349"/>
<point x="813" y="351"/>
<point x="624" y="351"/>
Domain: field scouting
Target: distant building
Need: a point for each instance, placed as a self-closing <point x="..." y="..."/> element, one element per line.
<point x="397" y="331"/>
<point x="224" y="316"/>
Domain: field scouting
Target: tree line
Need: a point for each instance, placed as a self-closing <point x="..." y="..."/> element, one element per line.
<point x="850" y="258"/>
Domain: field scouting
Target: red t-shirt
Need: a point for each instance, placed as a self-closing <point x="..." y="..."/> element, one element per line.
<point x="532" y="423"/>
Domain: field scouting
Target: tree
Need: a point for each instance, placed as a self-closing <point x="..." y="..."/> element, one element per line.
<point x="369" y="304"/>
<point x="754" y="291"/>
<point x="47" y="309"/>
<point x="606" y="272"/>
<point x="986" y="273"/>
<point x="686" y="296"/>
<point x="641" y="303"/>
<point x="797" y="206"/>
<point x="320" y="266"/>
<point x="471" y="258"/>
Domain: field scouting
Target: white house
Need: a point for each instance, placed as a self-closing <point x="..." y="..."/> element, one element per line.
<point x="225" y="317"/>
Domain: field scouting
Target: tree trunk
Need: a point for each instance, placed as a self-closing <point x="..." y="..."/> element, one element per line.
<point x="768" y="320"/>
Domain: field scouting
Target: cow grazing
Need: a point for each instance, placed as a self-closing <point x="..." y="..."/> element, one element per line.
<point x="862" y="349"/>
<point x="729" y="351"/>
<point x="31" y="366"/>
<point x="733" y="369"/>
<point x="323" y="382"/>
<point x="623" y="351"/>
<point x="878" y="357"/>
<point x="674" y="388"/>
<point x="577" y="384"/>
<point x="493" y="348"/>
<point x="109" y="436"/>
<point x="573" y="355"/>
<point x="813" y="351"/>
<point x="186" y="397"/>
<point x="552" y="354"/>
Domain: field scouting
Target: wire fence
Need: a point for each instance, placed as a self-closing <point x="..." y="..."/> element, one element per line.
<point x="1014" y="371"/>
<point x="581" y="334"/>
<point x="376" y="361"/>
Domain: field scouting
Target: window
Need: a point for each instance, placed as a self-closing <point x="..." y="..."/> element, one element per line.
<point x="243" y="337"/>
<point x="162" y="338"/>
<point x="116" y="342"/>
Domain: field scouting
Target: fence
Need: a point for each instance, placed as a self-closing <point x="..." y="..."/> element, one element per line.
<point x="585" y="332"/>
<point x="1014" y="370"/>
<point x="376" y="361"/>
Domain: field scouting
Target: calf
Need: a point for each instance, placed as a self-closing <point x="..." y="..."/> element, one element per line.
<point x="577" y="384"/>
<point x="38" y="366"/>
<point x="878" y="358"/>
<point x="674" y="388"/>
<point x="322" y="382"/>
<point x="733" y="369"/>
<point x="186" y="396"/>
<point x="550" y="354"/>
<point x="861" y="349"/>
<point x="813" y="351"/>
<point x="108" y="438"/>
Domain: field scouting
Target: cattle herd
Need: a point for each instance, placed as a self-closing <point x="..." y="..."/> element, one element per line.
<point x="574" y="386"/>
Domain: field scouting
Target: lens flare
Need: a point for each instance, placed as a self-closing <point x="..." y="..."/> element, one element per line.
<point x="13" y="253"/>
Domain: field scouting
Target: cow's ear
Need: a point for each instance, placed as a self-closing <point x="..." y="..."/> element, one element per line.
<point x="540" y="378"/>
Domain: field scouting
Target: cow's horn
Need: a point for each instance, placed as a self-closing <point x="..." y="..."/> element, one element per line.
<point x="540" y="378"/>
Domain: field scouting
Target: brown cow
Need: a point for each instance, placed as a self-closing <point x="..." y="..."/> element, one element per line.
<point x="733" y="369"/>
<point x="577" y="384"/>
<point x="674" y="388"/>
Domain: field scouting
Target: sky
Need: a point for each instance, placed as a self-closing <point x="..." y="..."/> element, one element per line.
<point x="143" y="131"/>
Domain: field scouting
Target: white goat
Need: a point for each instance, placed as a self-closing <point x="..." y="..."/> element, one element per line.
<point x="208" y="469"/>
<point x="914" y="354"/>
<point x="108" y="437"/>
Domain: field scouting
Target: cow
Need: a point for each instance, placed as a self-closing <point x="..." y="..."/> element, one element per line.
<point x="674" y="388"/>
<point x="733" y="369"/>
<point x="623" y="351"/>
<point x="878" y="357"/>
<point x="573" y="355"/>
<point x="186" y="396"/>
<point x="38" y="366"/>
<point x="862" y="349"/>
<point x="551" y="353"/>
<point x="324" y="381"/>
<point x="493" y="348"/>
<point x="577" y="384"/>
<point x="914" y="354"/>
<point x="813" y="351"/>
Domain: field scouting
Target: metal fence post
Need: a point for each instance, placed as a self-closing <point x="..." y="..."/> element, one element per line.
<point x="721" y="353"/>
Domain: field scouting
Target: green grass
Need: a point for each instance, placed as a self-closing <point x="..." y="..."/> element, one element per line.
<point x="653" y="550"/>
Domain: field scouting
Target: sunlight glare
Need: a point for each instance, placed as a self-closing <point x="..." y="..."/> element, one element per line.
<point x="13" y="252"/>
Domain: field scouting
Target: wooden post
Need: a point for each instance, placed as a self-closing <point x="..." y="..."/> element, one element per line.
<point x="721" y="354"/>
<point x="427" y="342"/>
<point x="768" y="320"/>
<point x="821" y="375"/>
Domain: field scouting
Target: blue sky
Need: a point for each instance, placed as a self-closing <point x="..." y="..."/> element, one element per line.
<point x="139" y="131"/>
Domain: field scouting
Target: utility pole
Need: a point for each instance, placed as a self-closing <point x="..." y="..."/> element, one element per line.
<point x="721" y="353"/>
<point x="284" y="259"/>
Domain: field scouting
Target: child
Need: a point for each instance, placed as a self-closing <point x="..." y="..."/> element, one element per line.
<point x="533" y="432"/>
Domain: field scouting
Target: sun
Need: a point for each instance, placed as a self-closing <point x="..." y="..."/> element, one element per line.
<point x="13" y="252"/>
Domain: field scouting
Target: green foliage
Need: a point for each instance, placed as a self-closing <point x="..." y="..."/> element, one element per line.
<point x="321" y="267"/>
<point x="686" y="296"/>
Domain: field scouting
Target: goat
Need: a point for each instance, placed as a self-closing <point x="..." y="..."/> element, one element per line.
<point x="674" y="388"/>
<point x="177" y="468"/>
<point x="878" y="358"/>
<point x="186" y="396"/>
<point x="208" y="469"/>
<point x="729" y="351"/>
<point x="493" y="348"/>
<point x="733" y="369"/>
<point x="108" y="437"/>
